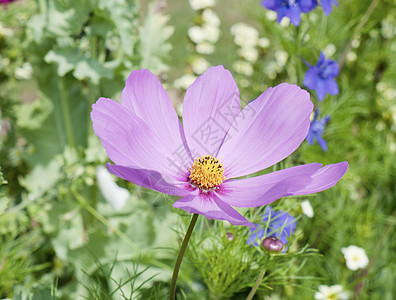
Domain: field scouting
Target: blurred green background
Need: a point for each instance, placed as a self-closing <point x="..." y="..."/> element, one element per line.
<point x="63" y="238"/>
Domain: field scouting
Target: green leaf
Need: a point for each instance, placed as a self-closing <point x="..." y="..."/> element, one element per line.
<point x="2" y="180"/>
<point x="123" y="14"/>
<point x="70" y="58"/>
<point x="33" y="115"/>
<point x="154" y="46"/>
<point x="91" y="69"/>
<point x="42" y="179"/>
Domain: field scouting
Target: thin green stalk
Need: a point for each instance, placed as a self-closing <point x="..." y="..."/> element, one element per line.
<point x="66" y="114"/>
<point x="256" y="285"/>
<point x="180" y="256"/>
<point x="103" y="220"/>
<point x="356" y="34"/>
<point x="298" y="46"/>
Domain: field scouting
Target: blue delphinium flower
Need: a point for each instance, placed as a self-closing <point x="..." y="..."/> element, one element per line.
<point x="316" y="130"/>
<point x="327" y="7"/>
<point x="321" y="77"/>
<point x="290" y="8"/>
<point x="281" y="225"/>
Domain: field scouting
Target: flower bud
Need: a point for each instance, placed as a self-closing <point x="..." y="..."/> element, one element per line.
<point x="272" y="244"/>
<point x="230" y="236"/>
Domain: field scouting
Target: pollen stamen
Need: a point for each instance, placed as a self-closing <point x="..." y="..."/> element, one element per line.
<point x="206" y="173"/>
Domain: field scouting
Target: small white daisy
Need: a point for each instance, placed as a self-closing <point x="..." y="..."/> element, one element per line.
<point x="334" y="292"/>
<point x="355" y="257"/>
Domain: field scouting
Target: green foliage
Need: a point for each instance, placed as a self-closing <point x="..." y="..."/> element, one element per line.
<point x="59" y="237"/>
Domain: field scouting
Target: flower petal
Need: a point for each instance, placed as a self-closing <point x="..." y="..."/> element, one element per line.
<point x="145" y="97"/>
<point x="293" y="13"/>
<point x="267" y="130"/>
<point x="212" y="208"/>
<point x="128" y="140"/>
<point x="147" y="179"/>
<point x="325" y="178"/>
<point x="322" y="143"/>
<point x="210" y="106"/>
<point x="265" y="189"/>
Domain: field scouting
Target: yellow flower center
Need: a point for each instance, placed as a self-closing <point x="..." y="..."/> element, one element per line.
<point x="206" y="173"/>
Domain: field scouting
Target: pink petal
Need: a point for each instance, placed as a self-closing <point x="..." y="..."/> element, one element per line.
<point x="147" y="179"/>
<point x="128" y="140"/>
<point x="211" y="207"/>
<point x="325" y="178"/>
<point x="267" y="130"/>
<point x="265" y="189"/>
<point x="145" y="97"/>
<point x="210" y="106"/>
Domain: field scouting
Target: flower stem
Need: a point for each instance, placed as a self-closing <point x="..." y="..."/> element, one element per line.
<point x="357" y="32"/>
<point x="66" y="114"/>
<point x="256" y="285"/>
<point x="180" y="256"/>
<point x="298" y="49"/>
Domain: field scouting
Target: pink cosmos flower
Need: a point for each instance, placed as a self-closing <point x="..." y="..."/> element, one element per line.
<point x="217" y="143"/>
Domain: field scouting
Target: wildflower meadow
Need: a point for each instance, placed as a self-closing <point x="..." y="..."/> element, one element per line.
<point x="200" y="149"/>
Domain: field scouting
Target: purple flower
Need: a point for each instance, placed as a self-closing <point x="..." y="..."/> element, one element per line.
<point x="144" y="138"/>
<point x="321" y="77"/>
<point x="279" y="224"/>
<point x="5" y="2"/>
<point x="316" y="130"/>
<point x="327" y="7"/>
<point x="290" y="8"/>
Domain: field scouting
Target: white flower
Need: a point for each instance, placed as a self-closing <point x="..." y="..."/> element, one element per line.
<point x="355" y="257"/>
<point x="184" y="82"/>
<point x="284" y="22"/>
<point x="24" y="72"/>
<point x="333" y="292"/>
<point x="201" y="4"/>
<point x="205" y="48"/>
<point x="307" y="208"/>
<point x="329" y="50"/>
<point x="351" y="56"/>
<point x="281" y="57"/>
<point x="392" y="147"/>
<point x="263" y="42"/>
<point x="4" y="31"/>
<point x="387" y="29"/>
<point x="355" y="43"/>
<point x="112" y="43"/>
<point x="211" y="33"/>
<point x="115" y="195"/>
<point x="271" y="15"/>
<point x="200" y="65"/>
<point x="210" y="17"/>
<point x="250" y="54"/>
<point x="245" y="36"/>
<point x="243" y="67"/>
<point x="205" y="33"/>
<point x="196" y="34"/>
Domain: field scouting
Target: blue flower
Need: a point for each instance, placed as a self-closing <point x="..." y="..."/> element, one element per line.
<point x="321" y="77"/>
<point x="327" y="7"/>
<point x="281" y="225"/>
<point x="316" y="130"/>
<point x="290" y="8"/>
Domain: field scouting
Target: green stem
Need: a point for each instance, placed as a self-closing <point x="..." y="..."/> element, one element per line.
<point x="180" y="256"/>
<point x="66" y="114"/>
<point x="103" y="220"/>
<point x="115" y="230"/>
<point x="298" y="46"/>
<point x="256" y="285"/>
<point x="356" y="34"/>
